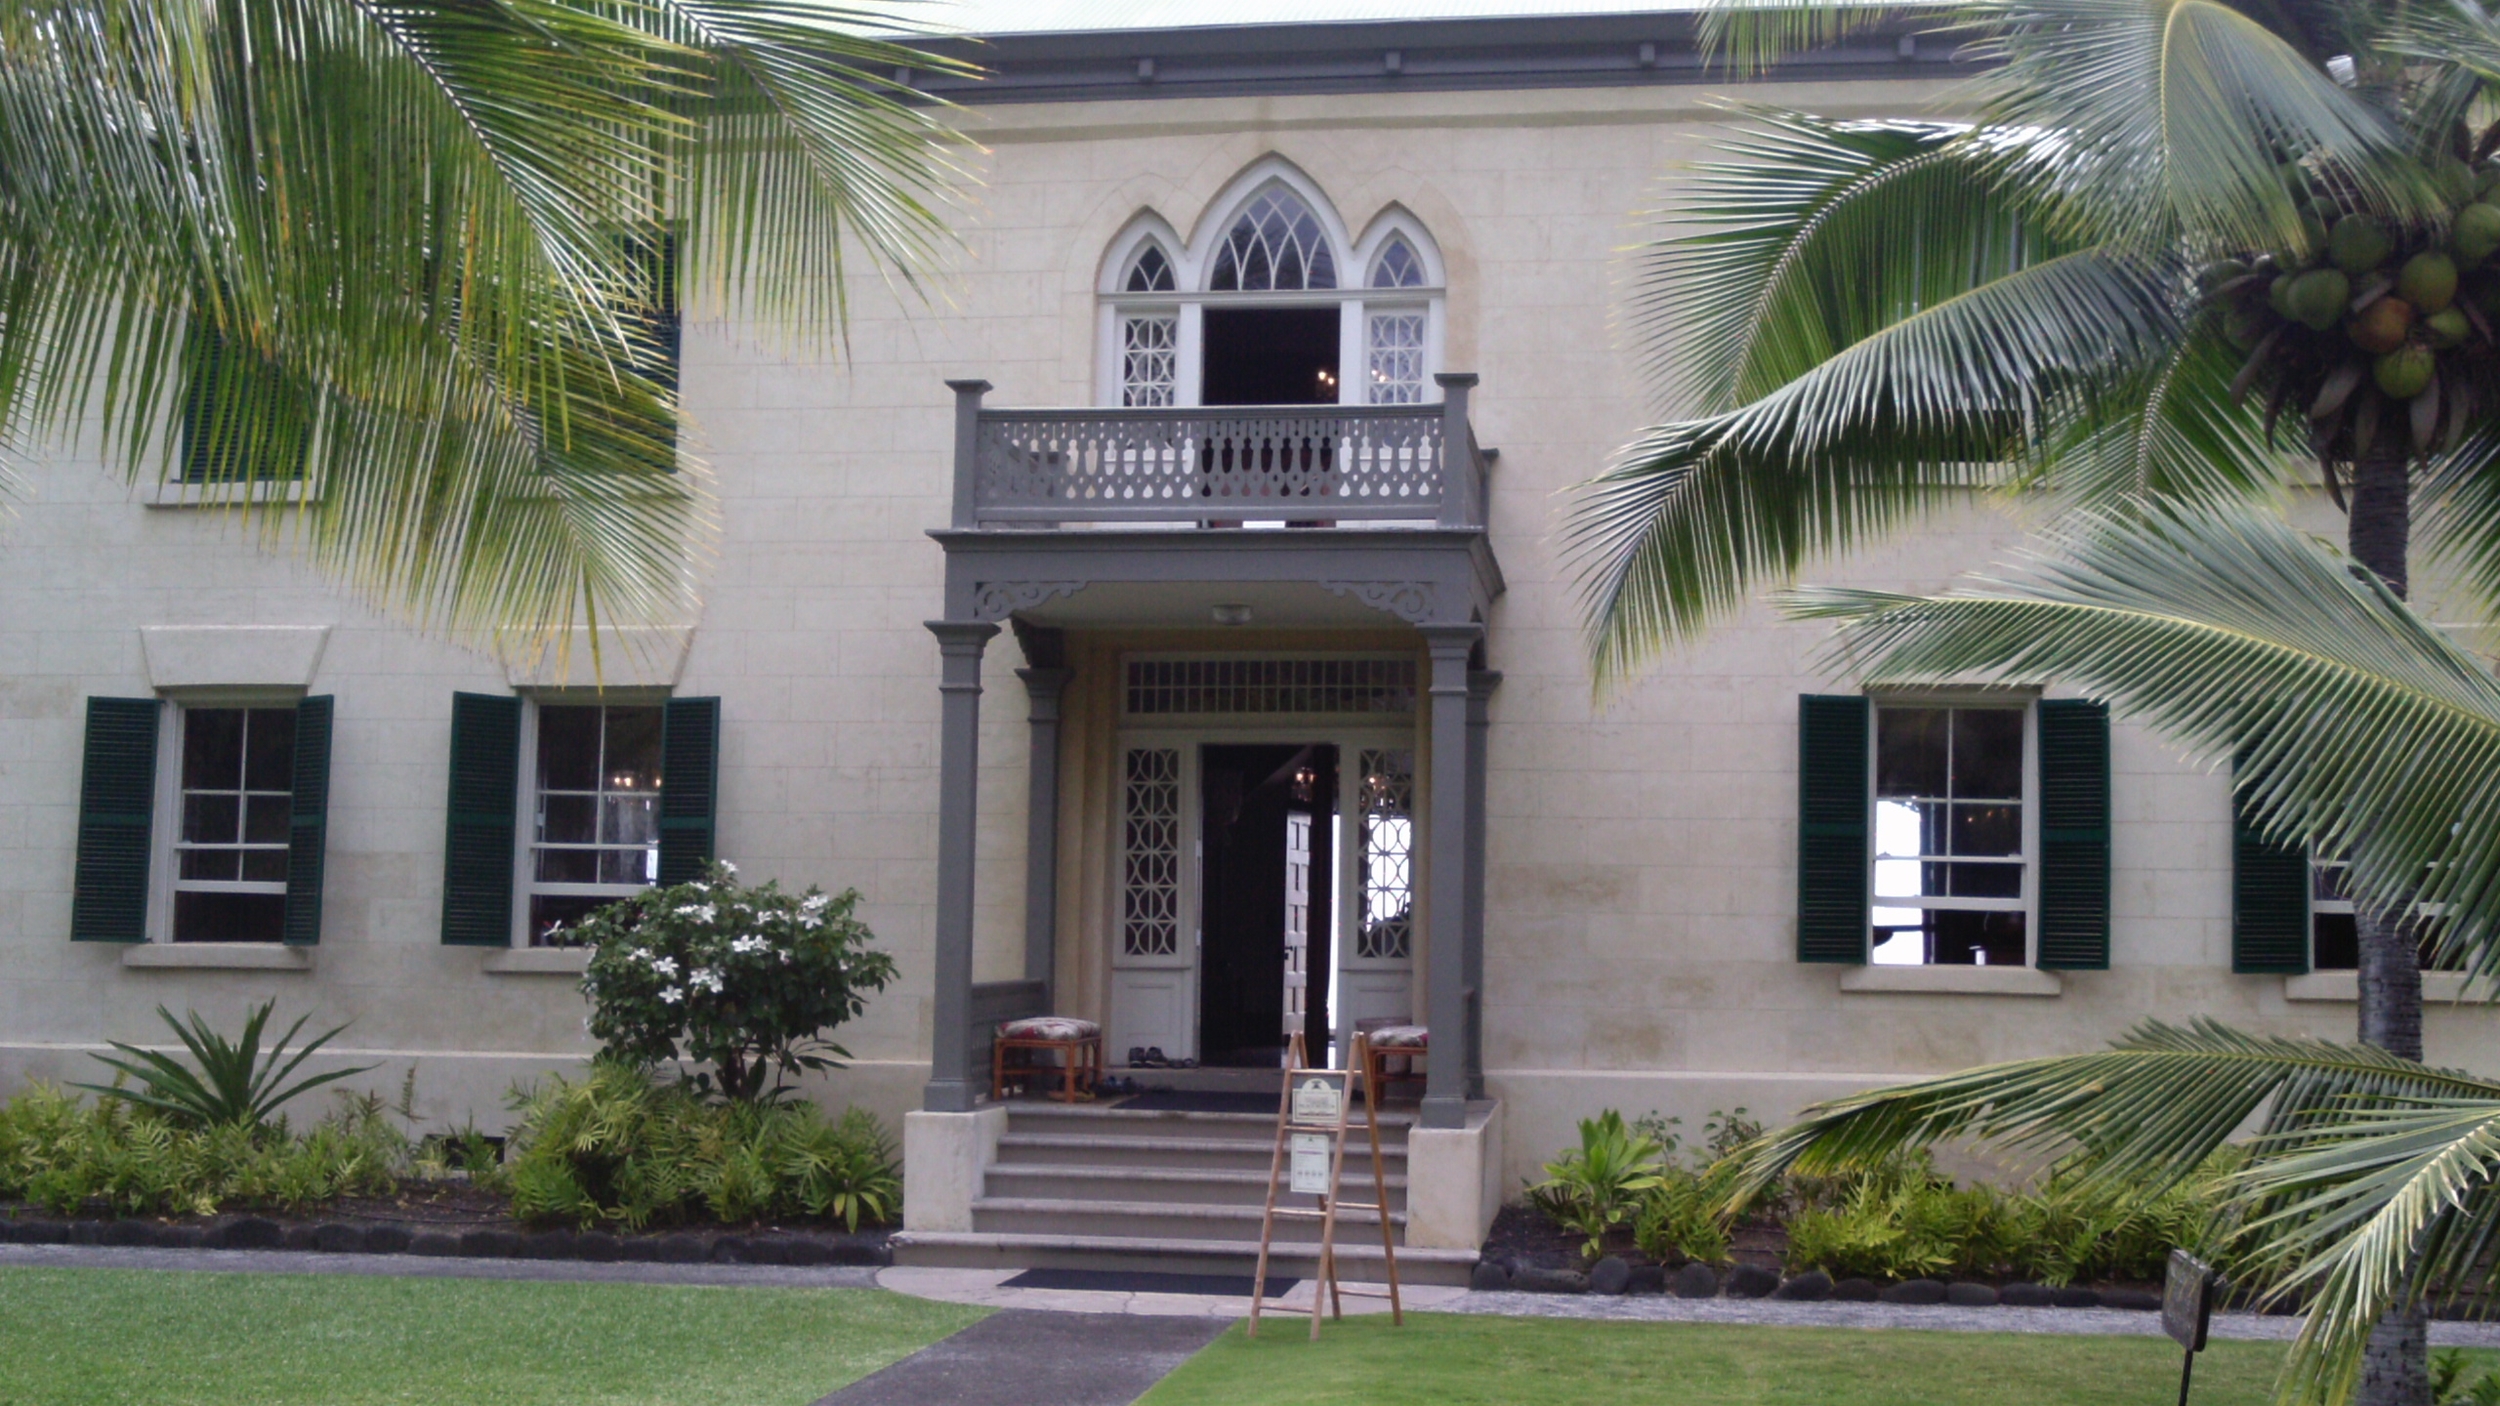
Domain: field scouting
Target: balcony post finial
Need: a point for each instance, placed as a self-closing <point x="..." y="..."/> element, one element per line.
<point x="967" y="448"/>
<point x="1458" y="451"/>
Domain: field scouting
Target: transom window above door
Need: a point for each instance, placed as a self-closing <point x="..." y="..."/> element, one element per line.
<point x="1277" y="302"/>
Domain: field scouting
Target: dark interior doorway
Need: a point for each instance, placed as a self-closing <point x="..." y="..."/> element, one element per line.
<point x="1269" y="356"/>
<point x="1265" y="889"/>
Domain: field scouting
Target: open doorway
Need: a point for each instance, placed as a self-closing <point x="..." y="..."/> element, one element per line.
<point x="1265" y="887"/>
<point x="1269" y="356"/>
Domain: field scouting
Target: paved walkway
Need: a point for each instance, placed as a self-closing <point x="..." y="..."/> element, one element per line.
<point x="1026" y="1357"/>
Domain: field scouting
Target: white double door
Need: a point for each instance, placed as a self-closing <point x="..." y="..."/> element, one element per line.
<point x="1158" y="919"/>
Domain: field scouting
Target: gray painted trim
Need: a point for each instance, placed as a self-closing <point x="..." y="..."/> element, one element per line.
<point x="960" y="645"/>
<point x="1421" y="575"/>
<point x="1480" y="686"/>
<point x="1042" y="689"/>
<point x="1446" y="55"/>
<point x="1445" y="943"/>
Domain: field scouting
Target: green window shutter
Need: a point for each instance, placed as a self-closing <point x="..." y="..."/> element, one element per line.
<point x="308" y="836"/>
<point x="2074" y="836"/>
<point x="2269" y="898"/>
<point x="116" y="811"/>
<point x="477" y="845"/>
<point x="689" y="786"/>
<point x="1832" y="853"/>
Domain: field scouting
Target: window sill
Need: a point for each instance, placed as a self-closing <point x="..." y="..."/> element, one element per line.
<point x="537" y="961"/>
<point x="200" y="495"/>
<point x="1953" y="981"/>
<point x="219" y="956"/>
<point x="2346" y="986"/>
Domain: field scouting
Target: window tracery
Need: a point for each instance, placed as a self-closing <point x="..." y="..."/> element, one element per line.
<point x="1276" y="245"/>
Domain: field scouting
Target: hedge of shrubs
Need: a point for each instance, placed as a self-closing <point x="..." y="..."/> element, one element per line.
<point x="1897" y="1221"/>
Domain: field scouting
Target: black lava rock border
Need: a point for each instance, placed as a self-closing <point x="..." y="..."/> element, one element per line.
<point x="1699" y="1281"/>
<point x="345" y="1238"/>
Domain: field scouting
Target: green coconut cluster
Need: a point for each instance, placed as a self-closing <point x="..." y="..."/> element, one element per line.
<point x="2366" y="318"/>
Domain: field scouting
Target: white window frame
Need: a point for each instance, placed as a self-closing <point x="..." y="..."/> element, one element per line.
<point x="1193" y="264"/>
<point x="2029" y="903"/>
<point x="165" y="839"/>
<point x="525" y="884"/>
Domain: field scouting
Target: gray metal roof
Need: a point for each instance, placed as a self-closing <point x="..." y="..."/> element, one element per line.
<point x="1104" y="16"/>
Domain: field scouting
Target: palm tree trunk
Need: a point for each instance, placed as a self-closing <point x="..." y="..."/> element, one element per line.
<point x="2396" y="1369"/>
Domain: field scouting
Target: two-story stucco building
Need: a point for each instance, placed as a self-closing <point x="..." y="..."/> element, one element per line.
<point x="1165" y="626"/>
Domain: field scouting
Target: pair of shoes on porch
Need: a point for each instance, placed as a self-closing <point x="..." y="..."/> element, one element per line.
<point x="1148" y="1057"/>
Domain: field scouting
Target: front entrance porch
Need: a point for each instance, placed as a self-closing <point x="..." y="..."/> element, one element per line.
<point x="1255" y="673"/>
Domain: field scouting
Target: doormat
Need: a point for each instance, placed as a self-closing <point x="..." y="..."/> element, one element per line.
<point x="1200" y="1101"/>
<point x="1122" y="1281"/>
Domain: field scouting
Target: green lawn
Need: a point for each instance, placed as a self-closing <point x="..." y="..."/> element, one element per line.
<point x="1465" y="1360"/>
<point x="115" y="1337"/>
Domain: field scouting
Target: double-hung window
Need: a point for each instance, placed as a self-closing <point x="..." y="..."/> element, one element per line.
<point x="1952" y="856"/>
<point x="237" y="784"/>
<point x="565" y="803"/>
<point x="594" y="814"/>
<point x="202" y="821"/>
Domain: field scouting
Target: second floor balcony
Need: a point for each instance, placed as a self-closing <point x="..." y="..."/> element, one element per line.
<point x="1218" y="467"/>
<point x="1149" y="517"/>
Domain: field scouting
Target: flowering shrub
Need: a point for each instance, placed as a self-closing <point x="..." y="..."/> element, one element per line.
<point x="743" y="980"/>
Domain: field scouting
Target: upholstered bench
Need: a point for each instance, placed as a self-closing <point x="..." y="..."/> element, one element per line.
<point x="1074" y="1048"/>
<point x="1408" y="1044"/>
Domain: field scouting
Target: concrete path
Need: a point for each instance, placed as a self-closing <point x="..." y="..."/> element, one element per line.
<point x="985" y="1287"/>
<point x="429" y="1267"/>
<point x="1025" y="1357"/>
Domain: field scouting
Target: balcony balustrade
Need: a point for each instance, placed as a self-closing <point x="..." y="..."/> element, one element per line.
<point x="1218" y="466"/>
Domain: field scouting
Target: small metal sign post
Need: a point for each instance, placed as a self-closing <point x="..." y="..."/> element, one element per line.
<point x="2187" y="1309"/>
<point x="1311" y="1129"/>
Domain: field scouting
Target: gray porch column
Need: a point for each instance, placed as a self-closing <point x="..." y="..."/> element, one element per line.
<point x="1445" y="943"/>
<point x="1042" y="688"/>
<point x="1480" y="686"/>
<point x="952" y="1088"/>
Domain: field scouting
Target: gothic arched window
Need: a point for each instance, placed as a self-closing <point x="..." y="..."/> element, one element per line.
<point x="1397" y="266"/>
<point x="1276" y="245"/>
<point x="1149" y="272"/>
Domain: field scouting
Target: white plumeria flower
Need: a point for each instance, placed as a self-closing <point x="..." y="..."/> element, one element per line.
<point x="700" y="912"/>
<point x="671" y="995"/>
<point x="815" y="903"/>
<point x="751" y="943"/>
<point x="706" y="978"/>
<point x="728" y="868"/>
<point x="665" y="966"/>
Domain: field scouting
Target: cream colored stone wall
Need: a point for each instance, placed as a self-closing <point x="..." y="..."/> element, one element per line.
<point x="1640" y="896"/>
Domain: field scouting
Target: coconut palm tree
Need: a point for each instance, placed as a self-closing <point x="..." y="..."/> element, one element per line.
<point x="2180" y="242"/>
<point x="2374" y="1180"/>
<point x="398" y="282"/>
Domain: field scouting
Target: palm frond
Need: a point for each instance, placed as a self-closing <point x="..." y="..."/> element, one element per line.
<point x="2363" y="730"/>
<point x="2388" y="1201"/>
<point x="424" y="231"/>
<point x="2172" y="433"/>
<point x="1770" y="263"/>
<point x="1694" y="514"/>
<point x="2169" y="119"/>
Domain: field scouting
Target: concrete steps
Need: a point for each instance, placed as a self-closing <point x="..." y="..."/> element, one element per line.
<point x="1092" y="1187"/>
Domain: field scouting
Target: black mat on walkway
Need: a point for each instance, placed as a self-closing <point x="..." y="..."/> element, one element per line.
<point x="1122" y="1281"/>
<point x="1020" y="1357"/>
<point x="1199" y="1101"/>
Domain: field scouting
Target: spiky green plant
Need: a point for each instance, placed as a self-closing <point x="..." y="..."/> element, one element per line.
<point x="236" y="1084"/>
<point x="410" y="261"/>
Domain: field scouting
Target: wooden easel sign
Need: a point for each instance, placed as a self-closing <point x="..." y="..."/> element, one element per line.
<point x="1309" y="1160"/>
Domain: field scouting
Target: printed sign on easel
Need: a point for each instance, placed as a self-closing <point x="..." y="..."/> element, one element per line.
<point x="1309" y="1160"/>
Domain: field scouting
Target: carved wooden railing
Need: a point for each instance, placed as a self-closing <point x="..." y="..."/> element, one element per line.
<point x="1218" y="466"/>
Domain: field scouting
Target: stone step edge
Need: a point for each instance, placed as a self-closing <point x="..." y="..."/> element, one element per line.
<point x="341" y="1238"/>
<point x="1207" y="1175"/>
<point x="1159" y="1210"/>
<point x="1091" y="1142"/>
<point x="1388" y="1120"/>
<point x="1246" y="1250"/>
